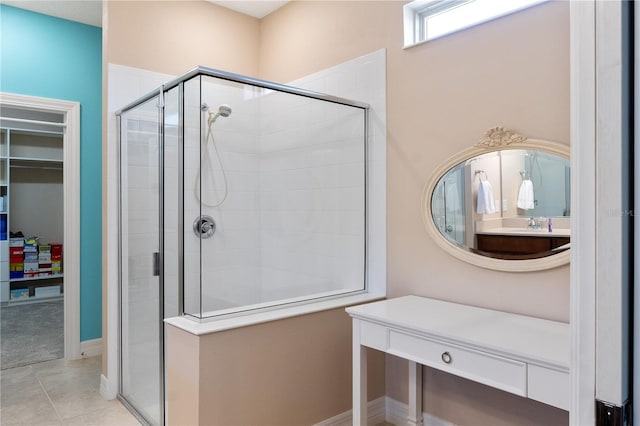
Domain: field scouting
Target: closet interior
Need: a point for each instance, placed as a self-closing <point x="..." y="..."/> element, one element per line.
<point x="31" y="211"/>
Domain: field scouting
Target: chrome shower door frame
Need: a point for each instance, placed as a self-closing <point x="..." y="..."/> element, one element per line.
<point x="157" y="259"/>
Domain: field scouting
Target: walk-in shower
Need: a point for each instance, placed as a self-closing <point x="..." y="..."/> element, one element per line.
<point x="236" y="195"/>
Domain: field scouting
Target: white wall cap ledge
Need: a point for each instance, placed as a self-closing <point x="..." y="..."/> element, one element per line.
<point x="213" y="326"/>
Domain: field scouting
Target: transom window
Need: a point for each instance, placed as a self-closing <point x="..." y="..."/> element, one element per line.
<point x="426" y="20"/>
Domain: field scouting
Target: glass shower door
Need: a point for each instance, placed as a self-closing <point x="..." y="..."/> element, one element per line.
<point x="141" y="366"/>
<point x="448" y="207"/>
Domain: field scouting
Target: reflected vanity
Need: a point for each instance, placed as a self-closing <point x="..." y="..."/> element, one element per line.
<point x="503" y="204"/>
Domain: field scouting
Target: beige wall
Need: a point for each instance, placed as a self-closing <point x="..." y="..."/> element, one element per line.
<point x="173" y="37"/>
<point x="442" y="96"/>
<point x="289" y="372"/>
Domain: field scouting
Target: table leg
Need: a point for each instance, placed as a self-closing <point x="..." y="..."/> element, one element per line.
<point x="415" y="394"/>
<point x="359" y="378"/>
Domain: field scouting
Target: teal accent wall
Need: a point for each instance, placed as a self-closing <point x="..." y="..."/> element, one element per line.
<point x="54" y="58"/>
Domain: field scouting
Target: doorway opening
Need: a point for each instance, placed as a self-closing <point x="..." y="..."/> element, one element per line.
<point x="39" y="197"/>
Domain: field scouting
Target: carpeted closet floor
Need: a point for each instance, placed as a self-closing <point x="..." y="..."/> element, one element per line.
<point x="31" y="333"/>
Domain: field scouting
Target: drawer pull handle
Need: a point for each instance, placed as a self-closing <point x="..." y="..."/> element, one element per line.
<point x="446" y="357"/>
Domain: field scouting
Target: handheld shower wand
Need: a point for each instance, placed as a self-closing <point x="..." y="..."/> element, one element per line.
<point x="223" y="111"/>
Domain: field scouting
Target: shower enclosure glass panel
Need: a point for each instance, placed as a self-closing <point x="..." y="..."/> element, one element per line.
<point x="448" y="206"/>
<point x="140" y="292"/>
<point x="281" y="179"/>
<point x="236" y="194"/>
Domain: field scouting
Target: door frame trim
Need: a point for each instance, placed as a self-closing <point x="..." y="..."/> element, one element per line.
<point x="71" y="202"/>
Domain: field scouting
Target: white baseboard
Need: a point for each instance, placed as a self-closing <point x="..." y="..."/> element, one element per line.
<point x="385" y="409"/>
<point x="375" y="411"/>
<point x="90" y="348"/>
<point x="107" y="388"/>
<point x="397" y="413"/>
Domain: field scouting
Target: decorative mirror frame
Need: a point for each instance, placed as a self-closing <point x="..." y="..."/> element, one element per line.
<point x="495" y="139"/>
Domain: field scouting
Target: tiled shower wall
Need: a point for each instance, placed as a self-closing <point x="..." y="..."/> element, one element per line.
<point x="292" y="223"/>
<point x="311" y="198"/>
<point x="326" y="169"/>
<point x="229" y="269"/>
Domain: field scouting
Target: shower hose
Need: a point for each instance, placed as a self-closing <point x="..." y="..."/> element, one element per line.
<point x="204" y="155"/>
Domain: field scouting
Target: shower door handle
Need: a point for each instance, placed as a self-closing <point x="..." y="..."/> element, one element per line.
<point x="156" y="264"/>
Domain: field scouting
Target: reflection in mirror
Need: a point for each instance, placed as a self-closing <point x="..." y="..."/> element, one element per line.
<point x="508" y="202"/>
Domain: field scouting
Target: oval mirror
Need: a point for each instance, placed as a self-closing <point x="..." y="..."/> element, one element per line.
<point x="503" y="204"/>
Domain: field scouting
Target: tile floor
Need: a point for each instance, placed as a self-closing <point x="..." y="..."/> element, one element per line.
<point x="58" y="392"/>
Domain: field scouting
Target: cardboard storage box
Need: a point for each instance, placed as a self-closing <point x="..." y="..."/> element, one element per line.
<point x="31" y="257"/>
<point x="30" y="267"/>
<point x="16" y="252"/>
<point x="30" y="246"/>
<point x="19" y="294"/>
<point x="48" y="291"/>
<point x="16" y="242"/>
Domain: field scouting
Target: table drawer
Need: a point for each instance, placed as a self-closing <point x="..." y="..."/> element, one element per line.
<point x="549" y="386"/>
<point x="373" y="336"/>
<point x="491" y="370"/>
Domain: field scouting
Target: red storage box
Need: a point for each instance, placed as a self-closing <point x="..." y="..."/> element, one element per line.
<point x="16" y="252"/>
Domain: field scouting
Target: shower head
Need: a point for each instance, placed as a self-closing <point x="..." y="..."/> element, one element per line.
<point x="223" y="111"/>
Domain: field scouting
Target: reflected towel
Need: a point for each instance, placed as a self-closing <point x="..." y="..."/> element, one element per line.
<point x="486" y="204"/>
<point x="525" y="195"/>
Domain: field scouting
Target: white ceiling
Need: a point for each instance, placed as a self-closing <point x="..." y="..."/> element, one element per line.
<point x="256" y="8"/>
<point x="85" y="11"/>
<point x="90" y="11"/>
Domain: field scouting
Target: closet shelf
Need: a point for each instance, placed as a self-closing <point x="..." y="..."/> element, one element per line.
<point x="48" y="277"/>
<point x="24" y="162"/>
<point x="35" y="299"/>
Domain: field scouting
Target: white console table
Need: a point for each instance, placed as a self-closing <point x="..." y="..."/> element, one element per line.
<point x="522" y="355"/>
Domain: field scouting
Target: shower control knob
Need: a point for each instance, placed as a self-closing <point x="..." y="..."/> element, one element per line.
<point x="449" y="228"/>
<point x="204" y="227"/>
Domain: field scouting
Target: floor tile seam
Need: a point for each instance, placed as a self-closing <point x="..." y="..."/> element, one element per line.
<point x="55" y="410"/>
<point x="91" y="414"/>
